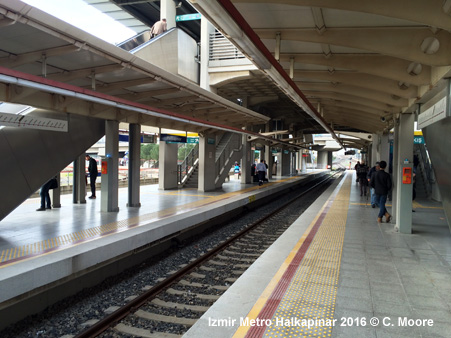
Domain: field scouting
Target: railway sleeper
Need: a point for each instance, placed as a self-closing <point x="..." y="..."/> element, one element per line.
<point x="199" y="285"/>
<point x="198" y="295"/>
<point x="249" y="254"/>
<point x="167" y="319"/>
<point x="173" y="305"/>
<point x="241" y="259"/>
<point x="134" y="331"/>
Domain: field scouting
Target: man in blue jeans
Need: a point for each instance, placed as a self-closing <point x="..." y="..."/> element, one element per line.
<point x="46" y="203"/>
<point x="370" y="174"/>
<point x="381" y="182"/>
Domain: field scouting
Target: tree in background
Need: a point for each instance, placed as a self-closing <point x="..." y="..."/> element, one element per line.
<point x="184" y="149"/>
<point x="150" y="151"/>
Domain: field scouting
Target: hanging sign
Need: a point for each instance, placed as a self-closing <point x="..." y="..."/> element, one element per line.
<point x="172" y="138"/>
<point x="435" y="113"/>
<point x="32" y="122"/>
<point x="187" y="17"/>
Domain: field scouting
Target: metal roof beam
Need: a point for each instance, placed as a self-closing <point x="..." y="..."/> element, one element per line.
<point x="13" y="61"/>
<point x="401" y="42"/>
<point x="379" y="65"/>
<point x="434" y="13"/>
<point x="362" y="80"/>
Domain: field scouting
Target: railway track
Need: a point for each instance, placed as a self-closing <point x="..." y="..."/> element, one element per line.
<point x="174" y="304"/>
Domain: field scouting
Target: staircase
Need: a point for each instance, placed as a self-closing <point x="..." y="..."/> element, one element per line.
<point x="187" y="171"/>
<point x="192" y="180"/>
<point x="228" y="150"/>
<point x="33" y="156"/>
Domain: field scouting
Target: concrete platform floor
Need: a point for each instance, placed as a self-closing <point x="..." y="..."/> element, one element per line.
<point x="402" y="280"/>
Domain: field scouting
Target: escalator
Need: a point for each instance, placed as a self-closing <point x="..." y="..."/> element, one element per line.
<point x="30" y="157"/>
<point x="438" y="143"/>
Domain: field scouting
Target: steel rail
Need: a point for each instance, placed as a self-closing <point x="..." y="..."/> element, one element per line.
<point x="122" y="312"/>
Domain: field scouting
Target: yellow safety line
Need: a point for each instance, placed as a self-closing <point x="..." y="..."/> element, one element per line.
<point x="321" y="242"/>
<point x="415" y="205"/>
<point x="418" y="205"/>
<point x="102" y="230"/>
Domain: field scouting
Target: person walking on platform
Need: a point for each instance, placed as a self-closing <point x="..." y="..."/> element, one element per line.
<point x="261" y="169"/>
<point x="362" y="172"/>
<point x="382" y="184"/>
<point x="93" y="172"/>
<point x="370" y="174"/>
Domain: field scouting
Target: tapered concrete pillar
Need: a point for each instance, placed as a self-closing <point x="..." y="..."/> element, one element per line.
<point x="134" y="164"/>
<point x="385" y="147"/>
<point x="56" y="193"/>
<point x="329" y="159"/>
<point x="167" y="177"/>
<point x="394" y="192"/>
<point x="168" y="12"/>
<point x="304" y="164"/>
<point x="284" y="163"/>
<point x="79" y="180"/>
<point x="206" y="28"/>
<point x="207" y="167"/>
<point x="405" y="162"/>
<point x="246" y="161"/>
<point x="278" y="165"/>
<point x="375" y="148"/>
<point x="321" y="162"/>
<point x="109" y="201"/>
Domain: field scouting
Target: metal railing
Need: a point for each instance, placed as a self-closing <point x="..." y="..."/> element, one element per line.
<point x="426" y="167"/>
<point x="222" y="49"/>
<point x="184" y="168"/>
<point x="230" y="142"/>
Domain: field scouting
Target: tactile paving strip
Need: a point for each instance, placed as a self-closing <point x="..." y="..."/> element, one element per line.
<point x="16" y="254"/>
<point x="306" y="308"/>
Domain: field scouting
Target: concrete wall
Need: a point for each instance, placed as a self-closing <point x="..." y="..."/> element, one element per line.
<point x="174" y="51"/>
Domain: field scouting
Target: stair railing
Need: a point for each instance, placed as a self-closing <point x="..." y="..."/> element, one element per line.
<point x="234" y="143"/>
<point x="188" y="163"/>
<point x="426" y="169"/>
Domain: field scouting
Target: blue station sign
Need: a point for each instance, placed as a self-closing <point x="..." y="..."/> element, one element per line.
<point x="172" y="138"/>
<point x="418" y="139"/>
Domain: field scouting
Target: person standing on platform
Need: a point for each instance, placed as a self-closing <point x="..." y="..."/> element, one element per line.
<point x="237" y="169"/>
<point x="158" y="28"/>
<point x="266" y="165"/>
<point x="261" y="169"/>
<point x="356" y="167"/>
<point x="93" y="172"/>
<point x="362" y="172"/>
<point x="382" y="184"/>
<point x="370" y="174"/>
<point x="45" y="196"/>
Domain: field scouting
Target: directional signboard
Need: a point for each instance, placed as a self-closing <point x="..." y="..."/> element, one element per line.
<point x="172" y="138"/>
<point x="187" y="17"/>
<point x="32" y="122"/>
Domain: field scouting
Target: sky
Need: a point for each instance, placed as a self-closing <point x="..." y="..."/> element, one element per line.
<point x="83" y="16"/>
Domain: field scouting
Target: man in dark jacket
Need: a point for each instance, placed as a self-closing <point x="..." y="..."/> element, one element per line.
<point x="362" y="172"/>
<point x="93" y="172"/>
<point x="370" y="174"/>
<point x="382" y="184"/>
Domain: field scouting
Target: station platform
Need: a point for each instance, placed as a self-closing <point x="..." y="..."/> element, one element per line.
<point x="336" y="272"/>
<point x="39" y="250"/>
